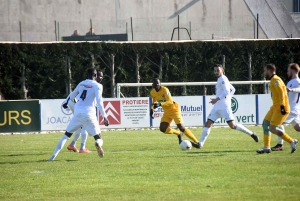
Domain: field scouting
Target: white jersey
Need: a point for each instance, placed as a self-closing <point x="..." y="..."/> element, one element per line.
<point x="294" y="95"/>
<point x="224" y="92"/>
<point x="88" y="91"/>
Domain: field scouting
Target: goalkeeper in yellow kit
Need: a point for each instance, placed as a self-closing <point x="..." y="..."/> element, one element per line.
<point x="277" y="113"/>
<point x="161" y="97"/>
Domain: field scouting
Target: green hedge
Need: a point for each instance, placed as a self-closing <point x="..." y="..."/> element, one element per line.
<point x="46" y="64"/>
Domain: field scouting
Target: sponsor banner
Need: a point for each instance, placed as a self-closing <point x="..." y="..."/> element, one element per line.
<point x="264" y="104"/>
<point x="54" y="116"/>
<point x="19" y="116"/>
<point x="191" y="111"/>
<point x="126" y="112"/>
<point x="243" y="108"/>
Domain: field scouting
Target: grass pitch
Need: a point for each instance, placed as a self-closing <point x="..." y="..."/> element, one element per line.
<point x="148" y="165"/>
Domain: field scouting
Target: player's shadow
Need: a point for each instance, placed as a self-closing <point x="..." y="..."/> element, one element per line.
<point x="38" y="161"/>
<point x="219" y="152"/>
<point x="27" y="154"/>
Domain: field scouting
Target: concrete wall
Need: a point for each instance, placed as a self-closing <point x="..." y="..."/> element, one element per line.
<point x="289" y="4"/>
<point x="152" y="19"/>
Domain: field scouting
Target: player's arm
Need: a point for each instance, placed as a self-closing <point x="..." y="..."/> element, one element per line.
<point x="74" y="93"/>
<point x="168" y="99"/>
<point x="99" y="100"/>
<point x="66" y="101"/>
<point x="281" y="93"/>
<point x="232" y="90"/>
<point x="225" y="88"/>
<point x="295" y="89"/>
<point x="152" y="106"/>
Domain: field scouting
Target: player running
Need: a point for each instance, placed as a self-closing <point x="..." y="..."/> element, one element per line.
<point x="293" y="88"/>
<point x="161" y="97"/>
<point x="277" y="113"/>
<point x="222" y="107"/>
<point x="82" y="131"/>
<point x="85" y="113"/>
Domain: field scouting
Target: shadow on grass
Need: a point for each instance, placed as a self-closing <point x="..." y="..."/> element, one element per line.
<point x="222" y="151"/>
<point x="38" y="161"/>
<point x="27" y="154"/>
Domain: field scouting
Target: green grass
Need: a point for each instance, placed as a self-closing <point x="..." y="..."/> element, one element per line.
<point x="148" y="165"/>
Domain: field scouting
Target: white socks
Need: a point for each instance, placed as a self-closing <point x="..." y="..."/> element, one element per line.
<point x="204" y="136"/>
<point x="100" y="142"/>
<point x="84" y="135"/>
<point x="280" y="140"/>
<point x="59" y="146"/>
<point x="243" y="129"/>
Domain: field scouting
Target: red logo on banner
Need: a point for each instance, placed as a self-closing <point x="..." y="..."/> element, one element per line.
<point x="113" y="112"/>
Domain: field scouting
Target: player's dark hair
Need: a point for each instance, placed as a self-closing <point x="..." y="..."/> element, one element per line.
<point x="91" y="72"/>
<point x="218" y="66"/>
<point x="271" y="67"/>
<point x="294" y="66"/>
<point x="156" y="79"/>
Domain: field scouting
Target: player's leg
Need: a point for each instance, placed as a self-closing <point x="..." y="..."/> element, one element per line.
<point x="206" y="131"/>
<point x="92" y="127"/>
<point x="291" y="119"/>
<point x="73" y="126"/>
<point x="72" y="145"/>
<point x="279" y="145"/>
<point x="165" y="124"/>
<point x="84" y="135"/>
<point x="267" y="133"/>
<point x="179" y="122"/>
<point x="212" y="117"/>
<point x="276" y="121"/>
<point x="228" y="116"/>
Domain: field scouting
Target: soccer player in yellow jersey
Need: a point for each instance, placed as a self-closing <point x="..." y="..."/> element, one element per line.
<point x="161" y="97"/>
<point x="277" y="113"/>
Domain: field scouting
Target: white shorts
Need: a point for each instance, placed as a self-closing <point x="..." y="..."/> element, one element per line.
<point x="89" y="122"/>
<point x="293" y="118"/>
<point x="225" y="113"/>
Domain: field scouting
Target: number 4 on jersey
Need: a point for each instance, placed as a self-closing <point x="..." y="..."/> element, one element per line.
<point x="83" y="95"/>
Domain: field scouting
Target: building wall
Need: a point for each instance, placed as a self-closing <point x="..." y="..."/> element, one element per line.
<point x="152" y="19"/>
<point x="289" y="4"/>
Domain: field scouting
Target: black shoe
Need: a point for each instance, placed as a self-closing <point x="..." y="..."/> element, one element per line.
<point x="196" y="145"/>
<point x="180" y="137"/>
<point x="277" y="147"/>
<point x="255" y="137"/>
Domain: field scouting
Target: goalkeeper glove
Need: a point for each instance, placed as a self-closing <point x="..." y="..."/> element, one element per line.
<point x="151" y="114"/>
<point x="282" y="110"/>
<point x="156" y="105"/>
<point x="65" y="105"/>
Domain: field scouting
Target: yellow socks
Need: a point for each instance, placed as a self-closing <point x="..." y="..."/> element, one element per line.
<point x="286" y="138"/>
<point x="267" y="140"/>
<point x="172" y="131"/>
<point x="190" y="135"/>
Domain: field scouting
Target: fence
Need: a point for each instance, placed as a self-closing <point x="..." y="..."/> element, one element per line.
<point x="126" y="113"/>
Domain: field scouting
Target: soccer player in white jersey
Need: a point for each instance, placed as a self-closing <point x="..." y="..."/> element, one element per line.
<point x="293" y="88"/>
<point x="80" y="132"/>
<point x="222" y="107"/>
<point x="85" y="113"/>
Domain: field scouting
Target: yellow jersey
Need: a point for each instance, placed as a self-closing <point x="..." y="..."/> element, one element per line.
<point x="163" y="96"/>
<point x="279" y="93"/>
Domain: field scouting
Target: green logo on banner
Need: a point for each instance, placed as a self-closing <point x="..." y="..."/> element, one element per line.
<point x="234" y="105"/>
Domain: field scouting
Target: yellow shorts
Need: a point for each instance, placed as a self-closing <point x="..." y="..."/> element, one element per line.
<point x="169" y="117"/>
<point x="275" y="117"/>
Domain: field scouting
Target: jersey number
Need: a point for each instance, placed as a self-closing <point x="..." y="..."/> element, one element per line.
<point x="298" y="98"/>
<point x="83" y="95"/>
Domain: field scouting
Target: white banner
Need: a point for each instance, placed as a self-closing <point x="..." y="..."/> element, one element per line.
<point x="264" y="104"/>
<point x="191" y="111"/>
<point x="54" y="116"/>
<point x="243" y="108"/>
<point x="127" y="112"/>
